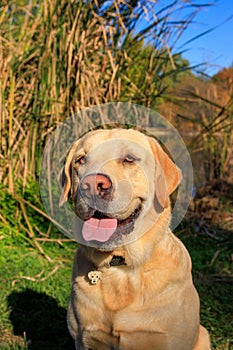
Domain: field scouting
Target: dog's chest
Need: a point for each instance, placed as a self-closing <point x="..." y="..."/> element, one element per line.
<point x="118" y="288"/>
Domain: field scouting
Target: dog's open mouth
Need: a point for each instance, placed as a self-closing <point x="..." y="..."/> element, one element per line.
<point x="101" y="228"/>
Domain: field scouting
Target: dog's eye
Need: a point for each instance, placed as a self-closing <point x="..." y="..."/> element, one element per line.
<point x="80" y="160"/>
<point x="129" y="159"/>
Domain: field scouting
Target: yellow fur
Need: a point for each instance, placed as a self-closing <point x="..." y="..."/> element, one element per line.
<point x="150" y="302"/>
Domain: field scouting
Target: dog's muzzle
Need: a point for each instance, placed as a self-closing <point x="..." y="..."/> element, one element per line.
<point x="95" y="205"/>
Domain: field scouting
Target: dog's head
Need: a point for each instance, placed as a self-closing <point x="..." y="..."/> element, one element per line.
<point x="117" y="179"/>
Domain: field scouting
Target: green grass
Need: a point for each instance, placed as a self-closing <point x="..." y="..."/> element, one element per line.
<point x="35" y="290"/>
<point x="34" y="298"/>
<point x="35" y="283"/>
<point x="212" y="274"/>
<point x="34" y="312"/>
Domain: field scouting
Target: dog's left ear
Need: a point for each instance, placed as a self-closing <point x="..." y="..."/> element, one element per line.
<point x="169" y="176"/>
<point x="65" y="175"/>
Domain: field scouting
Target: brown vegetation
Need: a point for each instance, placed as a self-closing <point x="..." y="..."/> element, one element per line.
<point x="56" y="58"/>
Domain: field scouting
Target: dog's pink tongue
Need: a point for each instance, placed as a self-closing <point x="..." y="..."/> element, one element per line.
<point x="99" y="229"/>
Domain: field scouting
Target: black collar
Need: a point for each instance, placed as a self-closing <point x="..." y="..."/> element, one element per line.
<point x="117" y="261"/>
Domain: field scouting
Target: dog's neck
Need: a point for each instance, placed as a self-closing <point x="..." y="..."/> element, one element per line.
<point x="101" y="259"/>
<point x="117" y="261"/>
<point x="133" y="254"/>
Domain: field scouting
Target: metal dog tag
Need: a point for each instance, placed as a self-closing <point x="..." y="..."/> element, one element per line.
<point x="94" y="276"/>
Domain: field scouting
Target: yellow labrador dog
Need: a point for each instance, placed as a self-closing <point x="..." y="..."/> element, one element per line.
<point x="132" y="285"/>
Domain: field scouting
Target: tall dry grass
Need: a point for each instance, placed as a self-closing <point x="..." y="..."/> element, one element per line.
<point x="59" y="57"/>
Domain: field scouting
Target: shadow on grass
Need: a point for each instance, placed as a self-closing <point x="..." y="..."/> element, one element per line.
<point x="40" y="319"/>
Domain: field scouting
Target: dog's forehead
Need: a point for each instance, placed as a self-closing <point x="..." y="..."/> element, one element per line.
<point x="114" y="137"/>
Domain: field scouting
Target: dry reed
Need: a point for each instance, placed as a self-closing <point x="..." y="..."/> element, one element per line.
<point x="59" y="57"/>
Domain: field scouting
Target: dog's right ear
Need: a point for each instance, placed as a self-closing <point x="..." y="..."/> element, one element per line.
<point x="65" y="182"/>
<point x="65" y="176"/>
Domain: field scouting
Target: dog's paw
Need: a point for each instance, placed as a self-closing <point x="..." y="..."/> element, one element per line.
<point x="94" y="276"/>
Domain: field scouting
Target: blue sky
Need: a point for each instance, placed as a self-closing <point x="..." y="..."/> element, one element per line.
<point x="216" y="47"/>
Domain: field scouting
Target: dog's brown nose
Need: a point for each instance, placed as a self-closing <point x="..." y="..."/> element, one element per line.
<point x="97" y="185"/>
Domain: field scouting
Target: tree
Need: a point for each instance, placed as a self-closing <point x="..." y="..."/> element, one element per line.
<point x="203" y="109"/>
